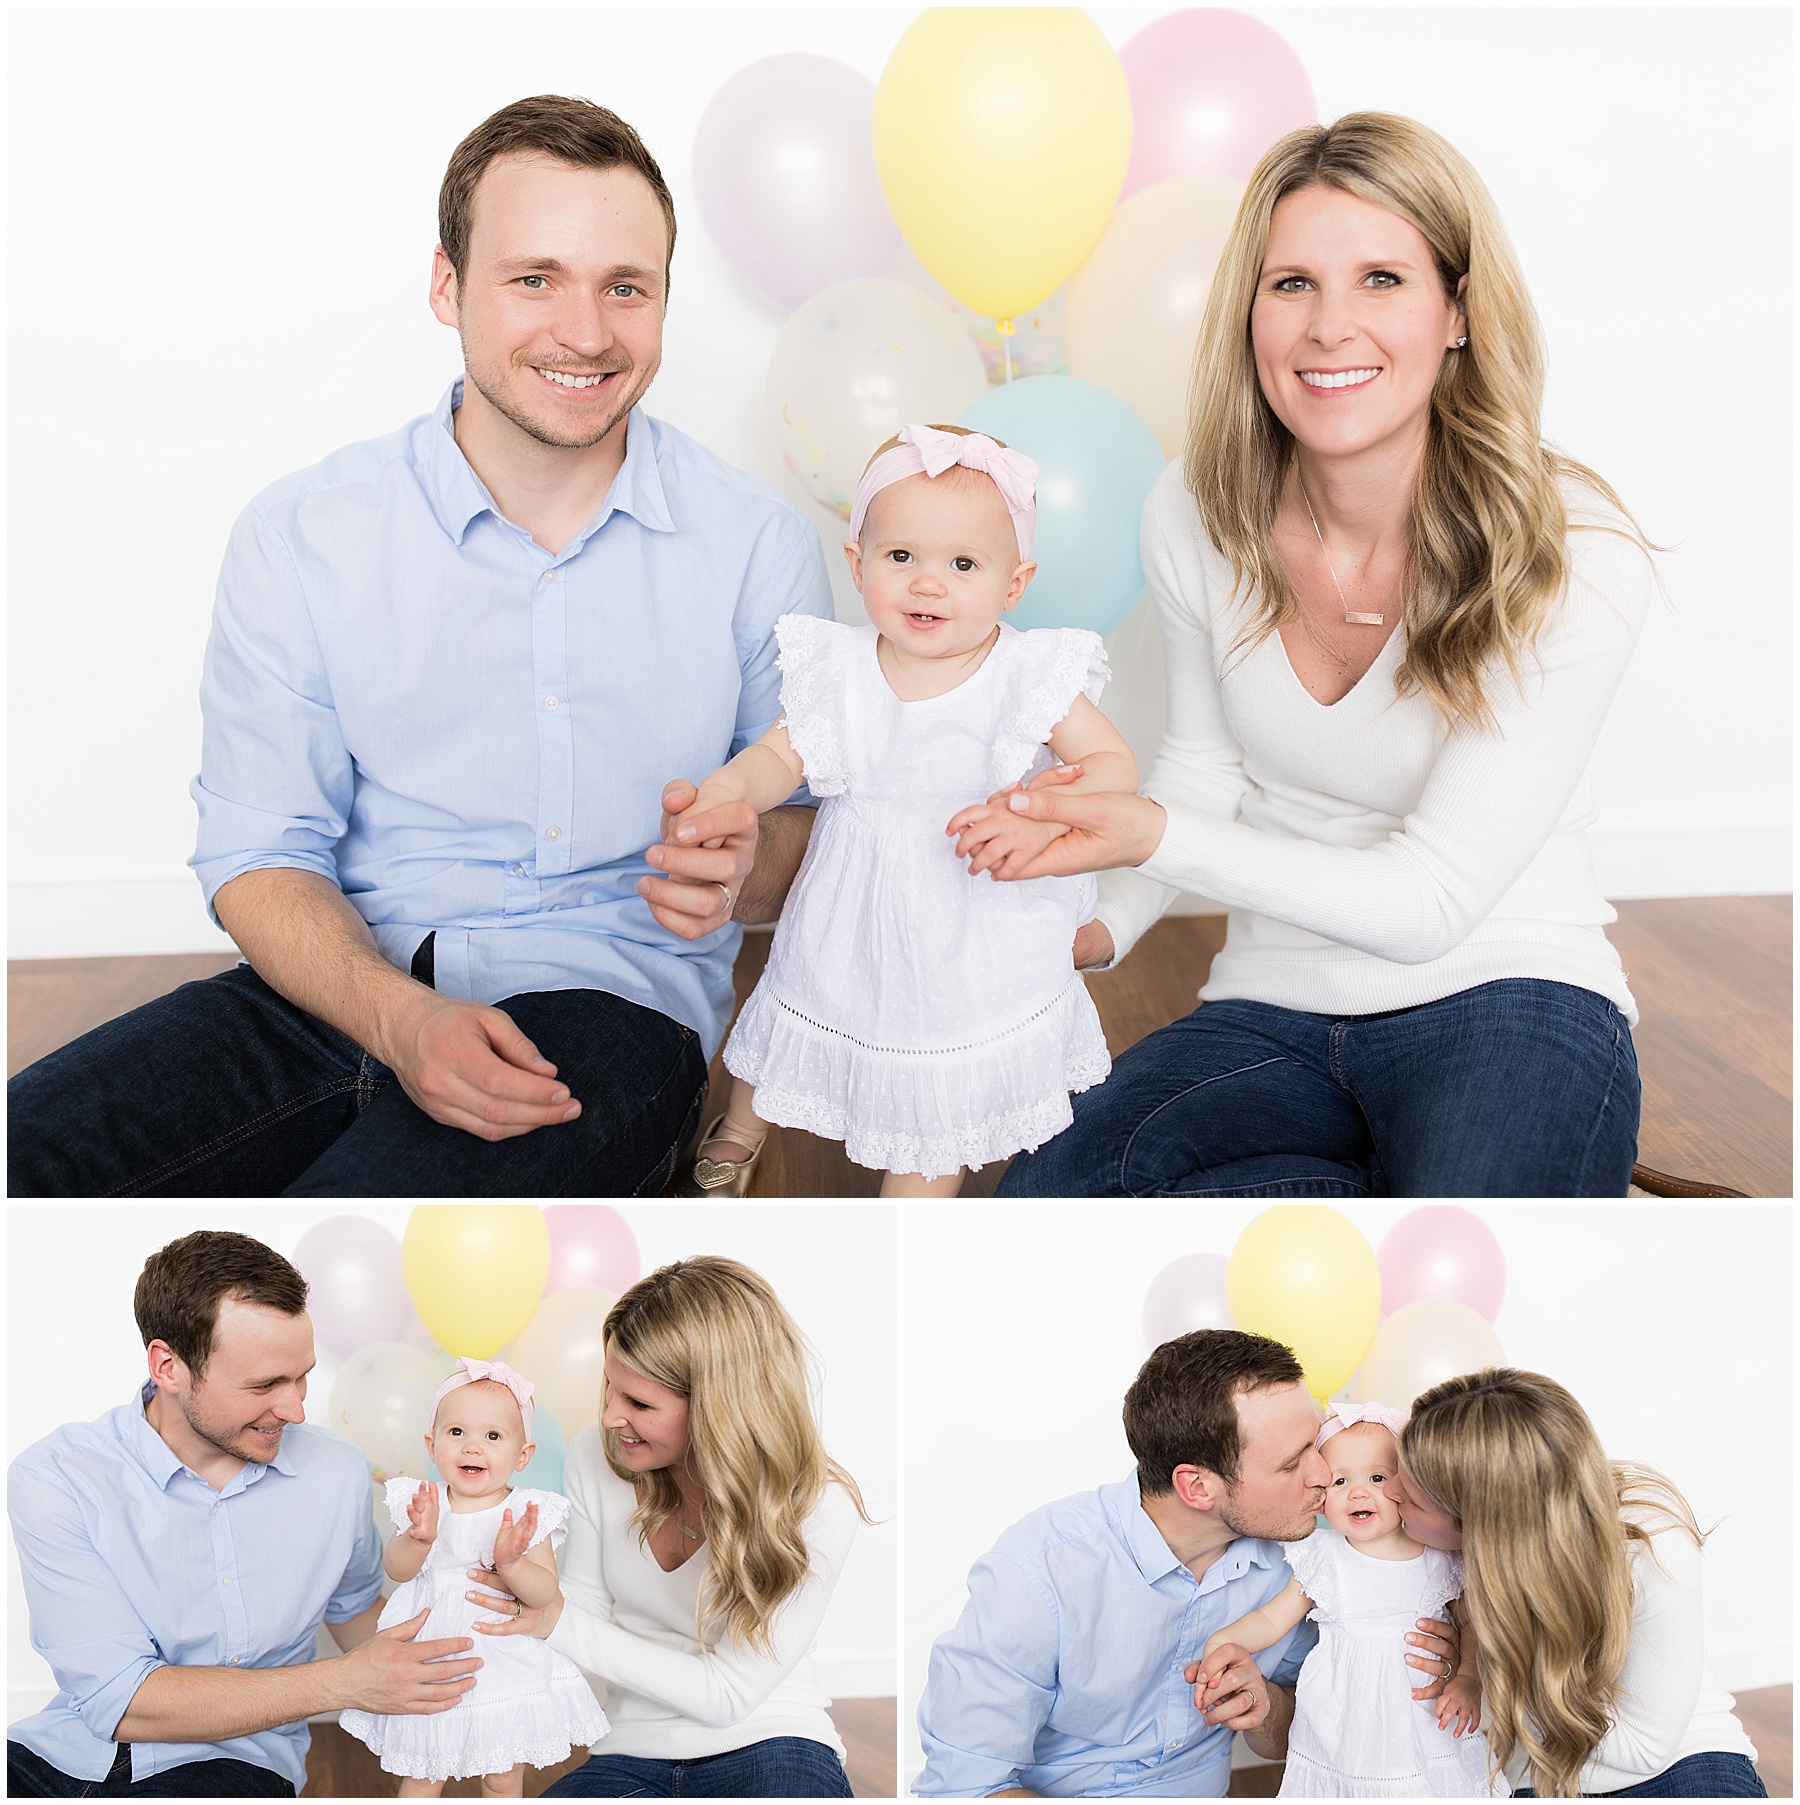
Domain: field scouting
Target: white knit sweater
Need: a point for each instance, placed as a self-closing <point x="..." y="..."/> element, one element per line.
<point x="631" y="1625"/>
<point x="1370" y="858"/>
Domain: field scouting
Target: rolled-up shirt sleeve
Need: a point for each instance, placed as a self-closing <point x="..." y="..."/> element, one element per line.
<point x="990" y="1686"/>
<point x="99" y="1648"/>
<point x="276" y="779"/>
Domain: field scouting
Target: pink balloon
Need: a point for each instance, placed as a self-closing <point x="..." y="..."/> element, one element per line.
<point x="1442" y="1252"/>
<point x="1211" y="90"/>
<point x="357" y="1284"/>
<point x="784" y="170"/>
<point x="1188" y="1293"/>
<point x="590" y="1245"/>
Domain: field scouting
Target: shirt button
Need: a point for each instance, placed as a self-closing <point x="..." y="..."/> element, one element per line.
<point x="228" y="1582"/>
<point x="518" y="871"/>
<point x="549" y="576"/>
<point x="549" y="701"/>
<point x="1173" y="1747"/>
<point x="552" y="833"/>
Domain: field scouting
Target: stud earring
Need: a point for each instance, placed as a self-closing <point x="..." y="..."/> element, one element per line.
<point x="1462" y="341"/>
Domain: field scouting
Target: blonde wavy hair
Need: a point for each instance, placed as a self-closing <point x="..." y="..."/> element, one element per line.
<point x="1489" y="554"/>
<point x="1545" y="1535"/>
<point x="712" y="1330"/>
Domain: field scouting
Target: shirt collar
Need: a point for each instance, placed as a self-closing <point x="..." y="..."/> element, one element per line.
<point x="457" y="494"/>
<point x="1154" y="1557"/>
<point x="163" y="1463"/>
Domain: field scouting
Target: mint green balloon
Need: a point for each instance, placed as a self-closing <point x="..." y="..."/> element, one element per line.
<point x="1097" y="459"/>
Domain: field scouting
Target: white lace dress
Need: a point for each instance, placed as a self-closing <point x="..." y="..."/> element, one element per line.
<point x="528" y="1703"/>
<point x="925" y="1018"/>
<point x="1358" y="1732"/>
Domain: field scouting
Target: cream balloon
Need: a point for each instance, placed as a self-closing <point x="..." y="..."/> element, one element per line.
<point x="562" y="1351"/>
<point x="381" y="1400"/>
<point x="852" y="366"/>
<point x="1421" y="1346"/>
<point x="1133" y="311"/>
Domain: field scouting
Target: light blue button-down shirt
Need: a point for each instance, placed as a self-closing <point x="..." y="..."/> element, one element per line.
<point x="404" y="692"/>
<point x="1064" y="1673"/>
<point x="132" y="1561"/>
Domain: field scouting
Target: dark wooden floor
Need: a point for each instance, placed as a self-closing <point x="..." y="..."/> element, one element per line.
<point x="1713" y="977"/>
<point x="1767" y="1714"/>
<point x="340" y="1767"/>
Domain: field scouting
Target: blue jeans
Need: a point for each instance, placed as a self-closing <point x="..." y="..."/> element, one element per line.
<point x="30" y="1776"/>
<point x="1711" y="1775"/>
<point x="224" y="1089"/>
<point x="1520" y="1088"/>
<point x="784" y="1767"/>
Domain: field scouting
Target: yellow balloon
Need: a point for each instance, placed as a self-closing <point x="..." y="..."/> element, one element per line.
<point x="1001" y="138"/>
<point x="1303" y="1275"/>
<point x="563" y="1353"/>
<point x="475" y="1271"/>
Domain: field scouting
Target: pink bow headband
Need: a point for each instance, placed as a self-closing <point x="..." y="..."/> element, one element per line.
<point x="929" y="451"/>
<point x="1347" y="1416"/>
<point x="497" y="1370"/>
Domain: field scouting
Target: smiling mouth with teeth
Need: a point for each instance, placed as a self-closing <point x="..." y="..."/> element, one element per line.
<point x="1337" y="379"/>
<point x="566" y="379"/>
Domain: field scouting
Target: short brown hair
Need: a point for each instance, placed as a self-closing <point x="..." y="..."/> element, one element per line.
<point x="1181" y="1409"/>
<point x="560" y="126"/>
<point x="179" y="1291"/>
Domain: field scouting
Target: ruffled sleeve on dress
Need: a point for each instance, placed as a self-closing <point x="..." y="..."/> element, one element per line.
<point x="553" y="1514"/>
<point x="398" y="1495"/>
<point x="1443" y="1581"/>
<point x="813" y="663"/>
<point x="1049" y="668"/>
<point x="1314" y="1562"/>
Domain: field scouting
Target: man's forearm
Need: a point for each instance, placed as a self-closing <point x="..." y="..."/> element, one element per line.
<point x="304" y="939"/>
<point x="213" y="1704"/>
<point x="1270" y="1738"/>
<point x="781" y="840"/>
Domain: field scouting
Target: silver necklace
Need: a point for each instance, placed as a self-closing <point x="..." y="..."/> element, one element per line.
<point x="1351" y="617"/>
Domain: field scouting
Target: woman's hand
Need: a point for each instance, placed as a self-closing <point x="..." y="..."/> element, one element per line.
<point x="1439" y="1655"/>
<point x="1105" y="829"/>
<point x="516" y="1618"/>
<point x="422" y="1514"/>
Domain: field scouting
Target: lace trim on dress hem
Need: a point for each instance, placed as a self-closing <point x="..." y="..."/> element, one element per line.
<point x="967" y="1046"/>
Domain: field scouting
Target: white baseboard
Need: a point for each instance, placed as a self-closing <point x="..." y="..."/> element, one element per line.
<point x="1747" y="1669"/>
<point x="843" y="1675"/>
<point x="76" y="918"/>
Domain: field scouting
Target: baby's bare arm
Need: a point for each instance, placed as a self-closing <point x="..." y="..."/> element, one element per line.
<point x="533" y="1577"/>
<point x="403" y="1557"/>
<point x="1085" y="737"/>
<point x="1260" y="1629"/>
<point x="764" y="775"/>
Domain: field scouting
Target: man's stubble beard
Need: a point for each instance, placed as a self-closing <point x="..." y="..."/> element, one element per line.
<point x="1266" y="1528"/>
<point x="241" y="1448"/>
<point x="496" y="397"/>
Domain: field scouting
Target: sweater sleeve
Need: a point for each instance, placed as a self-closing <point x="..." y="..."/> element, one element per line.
<point x="715" y="1686"/>
<point x="1490" y="803"/>
<point x="1660" y="1684"/>
<point x="1200" y="764"/>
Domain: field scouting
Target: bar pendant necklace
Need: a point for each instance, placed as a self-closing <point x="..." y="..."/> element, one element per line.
<point x="1351" y="617"/>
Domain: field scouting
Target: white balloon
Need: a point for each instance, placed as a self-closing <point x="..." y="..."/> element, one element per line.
<point x="852" y="366"/>
<point x="379" y="1401"/>
<point x="1422" y="1345"/>
<point x="1187" y="1294"/>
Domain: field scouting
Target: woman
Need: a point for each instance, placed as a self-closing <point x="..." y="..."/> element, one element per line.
<point x="1582" y="1579"/>
<point x="708" y="1530"/>
<point x="1394" y="621"/>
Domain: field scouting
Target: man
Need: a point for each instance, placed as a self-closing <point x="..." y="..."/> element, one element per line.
<point x="180" y="1553"/>
<point x="450" y="676"/>
<point x="1074" y="1666"/>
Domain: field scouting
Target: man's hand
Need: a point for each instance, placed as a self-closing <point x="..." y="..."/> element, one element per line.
<point x="470" y="1067"/>
<point x="707" y="858"/>
<point x="1440" y="1655"/>
<point x="422" y="1514"/>
<point x="1229" y="1688"/>
<point x="391" y="1674"/>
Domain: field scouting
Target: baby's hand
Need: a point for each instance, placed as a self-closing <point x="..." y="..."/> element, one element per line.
<point x="1460" y="1705"/>
<point x="514" y="1538"/>
<point x="422" y="1514"/>
<point x="992" y="838"/>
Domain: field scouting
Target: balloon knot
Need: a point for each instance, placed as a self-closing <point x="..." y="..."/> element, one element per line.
<point x="1006" y="328"/>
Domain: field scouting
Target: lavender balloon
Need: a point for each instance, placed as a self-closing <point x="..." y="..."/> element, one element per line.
<point x="784" y="170"/>
<point x="1442" y="1252"/>
<point x="1211" y="90"/>
<point x="1187" y="1294"/>
<point x="589" y="1245"/>
<point x="357" y="1283"/>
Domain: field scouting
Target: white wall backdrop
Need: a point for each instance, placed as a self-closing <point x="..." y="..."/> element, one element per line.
<point x="220" y="274"/>
<point x="74" y="1353"/>
<point x="1672" y="1323"/>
